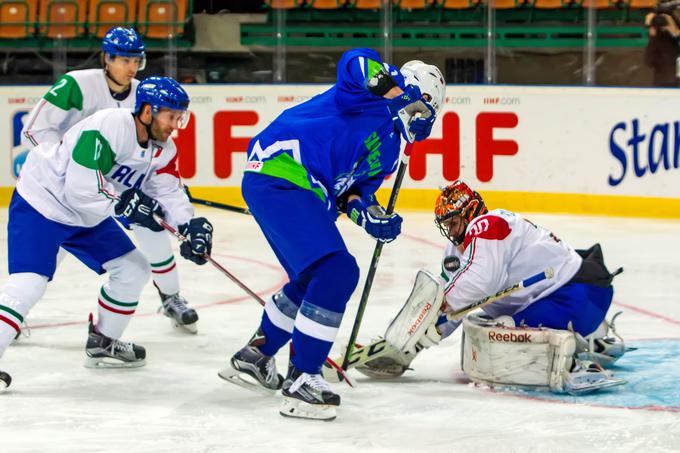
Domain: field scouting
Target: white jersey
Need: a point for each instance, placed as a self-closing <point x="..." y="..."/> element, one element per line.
<point x="500" y="249"/>
<point x="77" y="181"/>
<point x="73" y="97"/>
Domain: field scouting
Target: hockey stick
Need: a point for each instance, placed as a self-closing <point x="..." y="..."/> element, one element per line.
<point x="217" y="265"/>
<point x="329" y="362"/>
<point x="376" y="256"/>
<point x="381" y="347"/>
<point x="214" y="204"/>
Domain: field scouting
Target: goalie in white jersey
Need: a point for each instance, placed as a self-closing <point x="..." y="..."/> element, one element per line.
<point x="66" y="195"/>
<point x="79" y="94"/>
<point x="562" y="317"/>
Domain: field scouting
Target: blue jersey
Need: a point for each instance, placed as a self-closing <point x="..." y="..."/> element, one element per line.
<point x="343" y="138"/>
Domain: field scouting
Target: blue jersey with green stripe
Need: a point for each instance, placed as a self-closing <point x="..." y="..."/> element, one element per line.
<point x="343" y="138"/>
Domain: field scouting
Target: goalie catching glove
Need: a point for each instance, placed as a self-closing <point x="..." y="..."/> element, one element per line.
<point x="198" y="232"/>
<point x="373" y="218"/>
<point x="139" y="208"/>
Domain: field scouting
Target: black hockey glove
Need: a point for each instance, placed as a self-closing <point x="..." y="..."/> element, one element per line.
<point x="199" y="240"/>
<point x="139" y="208"/>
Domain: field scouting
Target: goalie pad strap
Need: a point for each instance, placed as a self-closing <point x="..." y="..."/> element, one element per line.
<point x="516" y="356"/>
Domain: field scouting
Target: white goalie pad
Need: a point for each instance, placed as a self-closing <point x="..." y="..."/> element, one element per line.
<point x="420" y="311"/>
<point x="516" y="356"/>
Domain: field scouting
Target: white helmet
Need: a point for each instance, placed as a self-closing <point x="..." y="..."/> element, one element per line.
<point x="428" y="78"/>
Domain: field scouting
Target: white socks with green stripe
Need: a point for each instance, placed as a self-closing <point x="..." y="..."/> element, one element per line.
<point x="21" y="292"/>
<point x="118" y="298"/>
<point x="157" y="248"/>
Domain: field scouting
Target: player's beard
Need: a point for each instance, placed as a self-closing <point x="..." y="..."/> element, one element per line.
<point x="156" y="131"/>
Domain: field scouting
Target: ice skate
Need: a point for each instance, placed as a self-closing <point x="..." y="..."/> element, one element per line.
<point x="308" y="396"/>
<point x="604" y="346"/>
<point x="175" y="307"/>
<point x="251" y="369"/>
<point x="5" y="381"/>
<point x="105" y="352"/>
<point x="587" y="377"/>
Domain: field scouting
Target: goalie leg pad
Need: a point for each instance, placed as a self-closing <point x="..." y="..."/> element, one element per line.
<point x="418" y="315"/>
<point x="510" y="356"/>
<point x="412" y="330"/>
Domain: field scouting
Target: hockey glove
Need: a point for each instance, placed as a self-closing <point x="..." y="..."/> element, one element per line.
<point x="198" y="232"/>
<point x="136" y="207"/>
<point x="404" y="109"/>
<point x="372" y="218"/>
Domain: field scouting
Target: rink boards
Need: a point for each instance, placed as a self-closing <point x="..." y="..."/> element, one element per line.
<point x="605" y="151"/>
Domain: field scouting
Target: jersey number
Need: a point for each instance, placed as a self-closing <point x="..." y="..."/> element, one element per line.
<point x="58" y="85"/>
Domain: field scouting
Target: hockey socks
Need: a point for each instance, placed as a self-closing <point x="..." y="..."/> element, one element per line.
<point x="157" y="249"/>
<point x="118" y="298"/>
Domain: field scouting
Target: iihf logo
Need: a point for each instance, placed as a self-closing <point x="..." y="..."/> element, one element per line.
<point x="18" y="151"/>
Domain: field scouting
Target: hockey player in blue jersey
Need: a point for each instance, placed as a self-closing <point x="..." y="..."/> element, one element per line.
<point x="318" y="159"/>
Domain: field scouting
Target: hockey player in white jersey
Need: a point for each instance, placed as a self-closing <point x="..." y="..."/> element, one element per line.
<point x="115" y="162"/>
<point x="79" y="94"/>
<point x="550" y="334"/>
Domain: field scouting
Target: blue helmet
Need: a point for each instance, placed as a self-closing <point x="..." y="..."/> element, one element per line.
<point x="161" y="92"/>
<point x="124" y="42"/>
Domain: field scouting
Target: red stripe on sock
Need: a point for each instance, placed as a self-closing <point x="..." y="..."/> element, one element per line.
<point x="165" y="270"/>
<point x="11" y="323"/>
<point x="120" y="312"/>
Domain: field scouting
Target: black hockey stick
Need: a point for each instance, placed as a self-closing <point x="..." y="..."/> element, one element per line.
<point x="329" y="363"/>
<point x="376" y="256"/>
<point x="380" y="347"/>
<point x="215" y="204"/>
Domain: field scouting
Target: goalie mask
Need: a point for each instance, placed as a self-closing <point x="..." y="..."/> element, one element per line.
<point x="428" y="78"/>
<point x="457" y="204"/>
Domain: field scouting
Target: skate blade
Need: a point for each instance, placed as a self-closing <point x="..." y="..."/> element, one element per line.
<point x="185" y="328"/>
<point x="606" y="384"/>
<point x="237" y="377"/>
<point x="107" y="362"/>
<point x="294" y="408"/>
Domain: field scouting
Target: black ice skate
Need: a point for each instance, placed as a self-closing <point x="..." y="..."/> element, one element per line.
<point x="5" y="380"/>
<point x="105" y="352"/>
<point x="308" y="396"/>
<point x="183" y="317"/>
<point x="253" y="370"/>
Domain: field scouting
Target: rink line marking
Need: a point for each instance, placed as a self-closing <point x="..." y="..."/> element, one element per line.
<point x="648" y="313"/>
<point x="282" y="280"/>
<point x="604" y="406"/>
<point x="615" y="302"/>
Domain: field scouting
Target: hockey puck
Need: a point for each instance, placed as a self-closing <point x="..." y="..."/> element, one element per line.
<point x="5" y="380"/>
<point x="451" y="263"/>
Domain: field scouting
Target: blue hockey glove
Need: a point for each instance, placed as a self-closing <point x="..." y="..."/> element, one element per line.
<point x="136" y="207"/>
<point x="421" y="126"/>
<point x="198" y="232"/>
<point x="408" y="107"/>
<point x="372" y="218"/>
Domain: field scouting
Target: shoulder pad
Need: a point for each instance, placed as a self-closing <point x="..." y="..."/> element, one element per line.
<point x="489" y="226"/>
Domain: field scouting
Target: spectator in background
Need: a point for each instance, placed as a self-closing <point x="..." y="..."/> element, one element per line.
<point x="662" y="53"/>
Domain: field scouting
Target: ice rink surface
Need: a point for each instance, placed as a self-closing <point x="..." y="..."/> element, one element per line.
<point x="178" y="404"/>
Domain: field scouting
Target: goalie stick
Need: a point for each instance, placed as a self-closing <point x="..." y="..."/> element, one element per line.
<point x="330" y="364"/>
<point x="380" y="348"/>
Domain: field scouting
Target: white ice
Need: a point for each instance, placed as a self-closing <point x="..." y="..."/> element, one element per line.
<point x="178" y="404"/>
